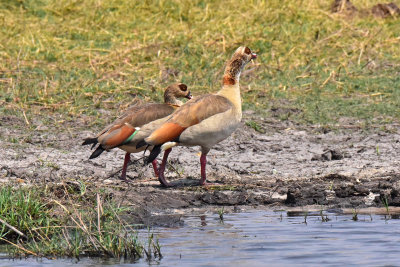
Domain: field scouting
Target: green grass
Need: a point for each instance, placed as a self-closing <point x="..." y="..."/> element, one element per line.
<point x="23" y="210"/>
<point x="385" y="203"/>
<point x="255" y="126"/>
<point x="77" y="57"/>
<point x="221" y="213"/>
<point x="68" y="221"/>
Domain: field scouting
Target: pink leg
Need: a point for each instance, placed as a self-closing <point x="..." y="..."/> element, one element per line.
<point x="203" y="162"/>
<point x="154" y="162"/>
<point x="126" y="161"/>
<point x="161" y="177"/>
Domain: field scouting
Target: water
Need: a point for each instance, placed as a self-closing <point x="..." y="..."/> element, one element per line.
<point x="267" y="238"/>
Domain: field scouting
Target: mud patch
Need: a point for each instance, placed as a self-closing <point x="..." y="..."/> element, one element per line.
<point x="330" y="154"/>
<point x="381" y="10"/>
<point x="385" y="10"/>
<point x="287" y="165"/>
<point x="340" y="6"/>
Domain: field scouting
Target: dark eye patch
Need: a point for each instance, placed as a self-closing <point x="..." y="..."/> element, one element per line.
<point x="247" y="50"/>
<point x="183" y="87"/>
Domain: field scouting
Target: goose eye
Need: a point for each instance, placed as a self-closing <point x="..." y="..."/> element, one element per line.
<point x="183" y="87"/>
<point x="247" y="50"/>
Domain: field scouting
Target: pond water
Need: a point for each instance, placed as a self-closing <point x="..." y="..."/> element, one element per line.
<point x="267" y="238"/>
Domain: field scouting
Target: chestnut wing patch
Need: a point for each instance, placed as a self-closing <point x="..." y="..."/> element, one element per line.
<point x="118" y="132"/>
<point x="116" y="135"/>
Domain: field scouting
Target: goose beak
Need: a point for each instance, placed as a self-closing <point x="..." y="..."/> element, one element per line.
<point x="189" y="95"/>
<point x="253" y="55"/>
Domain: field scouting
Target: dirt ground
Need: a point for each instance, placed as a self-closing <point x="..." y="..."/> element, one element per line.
<point x="288" y="165"/>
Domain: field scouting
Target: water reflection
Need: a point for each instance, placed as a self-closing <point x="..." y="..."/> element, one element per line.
<point x="203" y="220"/>
<point x="267" y="238"/>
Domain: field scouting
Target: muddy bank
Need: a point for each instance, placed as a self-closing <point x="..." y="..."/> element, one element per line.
<point x="286" y="165"/>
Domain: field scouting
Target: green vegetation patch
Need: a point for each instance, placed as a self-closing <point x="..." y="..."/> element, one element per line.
<point x="77" y="57"/>
<point x="68" y="220"/>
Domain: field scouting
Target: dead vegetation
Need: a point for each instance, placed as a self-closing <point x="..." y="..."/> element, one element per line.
<point x="381" y="10"/>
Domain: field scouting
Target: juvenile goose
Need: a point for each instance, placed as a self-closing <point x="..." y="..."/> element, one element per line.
<point x="122" y="131"/>
<point x="205" y="120"/>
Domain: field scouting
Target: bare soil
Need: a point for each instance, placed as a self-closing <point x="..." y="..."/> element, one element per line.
<point x="288" y="165"/>
<point x="380" y="10"/>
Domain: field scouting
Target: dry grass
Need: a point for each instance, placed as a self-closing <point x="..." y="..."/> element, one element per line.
<point x="76" y="57"/>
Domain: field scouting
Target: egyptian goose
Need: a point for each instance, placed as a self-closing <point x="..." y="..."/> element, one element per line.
<point x="121" y="133"/>
<point x="203" y="121"/>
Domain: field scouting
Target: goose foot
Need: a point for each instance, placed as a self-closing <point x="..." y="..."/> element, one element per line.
<point x="161" y="170"/>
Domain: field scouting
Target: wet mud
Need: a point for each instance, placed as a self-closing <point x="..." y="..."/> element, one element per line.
<point x="281" y="165"/>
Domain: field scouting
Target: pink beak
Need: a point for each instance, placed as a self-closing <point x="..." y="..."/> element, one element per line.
<point x="253" y="55"/>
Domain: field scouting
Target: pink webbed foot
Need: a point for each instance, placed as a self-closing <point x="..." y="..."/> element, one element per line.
<point x="163" y="181"/>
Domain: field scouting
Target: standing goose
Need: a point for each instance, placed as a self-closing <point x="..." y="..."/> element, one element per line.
<point x="205" y="120"/>
<point x="122" y="131"/>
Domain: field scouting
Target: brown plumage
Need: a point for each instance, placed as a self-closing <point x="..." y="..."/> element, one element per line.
<point x="206" y="120"/>
<point x="116" y="133"/>
<point x="122" y="131"/>
<point x="189" y="114"/>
